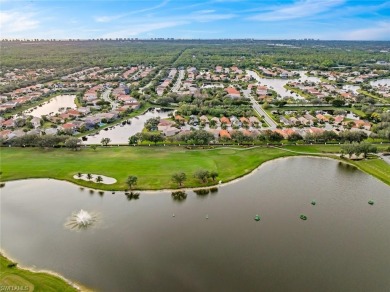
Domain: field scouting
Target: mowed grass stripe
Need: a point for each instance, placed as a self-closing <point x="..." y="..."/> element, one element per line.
<point x="153" y="166"/>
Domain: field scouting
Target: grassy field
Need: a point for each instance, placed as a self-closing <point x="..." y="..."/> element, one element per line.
<point x="154" y="166"/>
<point x="376" y="167"/>
<point x="16" y="279"/>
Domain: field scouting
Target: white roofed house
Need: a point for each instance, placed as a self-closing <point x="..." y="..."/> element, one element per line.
<point x="254" y="121"/>
<point x="36" y="122"/>
<point x="170" y="131"/>
<point x="203" y="119"/>
<point x="216" y="121"/>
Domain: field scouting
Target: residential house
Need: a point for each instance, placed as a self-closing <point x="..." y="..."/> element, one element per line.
<point x="232" y="92"/>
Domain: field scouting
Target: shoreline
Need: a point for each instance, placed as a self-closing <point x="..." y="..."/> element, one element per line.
<point x="234" y="180"/>
<point x="49" y="272"/>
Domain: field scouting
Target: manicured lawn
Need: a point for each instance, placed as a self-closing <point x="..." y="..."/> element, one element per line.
<point x="317" y="148"/>
<point x="376" y="167"/>
<point x="16" y="279"/>
<point x="328" y="148"/>
<point x="153" y="166"/>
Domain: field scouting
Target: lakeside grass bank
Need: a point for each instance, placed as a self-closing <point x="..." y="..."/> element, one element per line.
<point x="13" y="278"/>
<point x="154" y="166"/>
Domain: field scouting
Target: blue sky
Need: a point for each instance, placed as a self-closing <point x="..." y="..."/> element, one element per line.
<point x="205" y="19"/>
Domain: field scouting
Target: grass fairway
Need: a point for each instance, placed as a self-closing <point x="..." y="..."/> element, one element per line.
<point x="153" y="166"/>
<point x="16" y="279"/>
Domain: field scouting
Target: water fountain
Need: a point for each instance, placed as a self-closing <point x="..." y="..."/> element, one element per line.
<point x="80" y="220"/>
<point x="83" y="218"/>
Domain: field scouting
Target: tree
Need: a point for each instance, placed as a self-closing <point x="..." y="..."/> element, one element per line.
<point x="202" y="175"/>
<point x="179" y="178"/>
<point x="72" y="143"/>
<point x="294" y="137"/>
<point x="154" y="137"/>
<point x="367" y="148"/>
<point x="213" y="175"/>
<point x="133" y="139"/>
<point x="79" y="174"/>
<point x="338" y="102"/>
<point x="151" y="124"/>
<point x="99" y="179"/>
<point x="93" y="147"/>
<point x="348" y="149"/>
<point x="105" y="141"/>
<point x="238" y="136"/>
<point x="132" y="181"/>
<point x="89" y="176"/>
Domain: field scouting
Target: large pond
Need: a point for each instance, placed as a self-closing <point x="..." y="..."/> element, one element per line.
<point x="120" y="134"/>
<point x="278" y="84"/>
<point x="137" y="245"/>
<point x="353" y="88"/>
<point x="53" y="106"/>
<point x="381" y="82"/>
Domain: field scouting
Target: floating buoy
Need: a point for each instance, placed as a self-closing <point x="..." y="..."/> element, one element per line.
<point x="207" y="216"/>
<point x="313" y="203"/>
<point x="173" y="215"/>
<point x="371" y="202"/>
<point x="257" y="218"/>
<point x="303" y="217"/>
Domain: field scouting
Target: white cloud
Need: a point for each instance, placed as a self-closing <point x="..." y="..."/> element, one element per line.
<point x="380" y="31"/>
<point x="209" y="15"/>
<point x="299" y="9"/>
<point x="17" y="21"/>
<point x="110" y="18"/>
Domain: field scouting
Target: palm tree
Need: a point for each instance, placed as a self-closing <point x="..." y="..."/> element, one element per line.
<point x="99" y="179"/>
<point x="131" y="181"/>
<point x="89" y="176"/>
<point x="179" y="178"/>
<point x="213" y="175"/>
<point x="79" y="175"/>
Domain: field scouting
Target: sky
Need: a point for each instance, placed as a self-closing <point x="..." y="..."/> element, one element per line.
<point x="196" y="19"/>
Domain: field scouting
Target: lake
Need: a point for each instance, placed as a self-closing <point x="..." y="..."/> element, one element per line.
<point x="278" y="84"/>
<point x="53" y="106"/>
<point x="119" y="134"/>
<point x="382" y="82"/>
<point x="137" y="245"/>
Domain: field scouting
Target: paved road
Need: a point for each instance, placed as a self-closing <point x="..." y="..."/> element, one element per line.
<point x="260" y="110"/>
<point x="141" y="90"/>
<point x="176" y="87"/>
<point x="106" y="97"/>
<point x="385" y="158"/>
